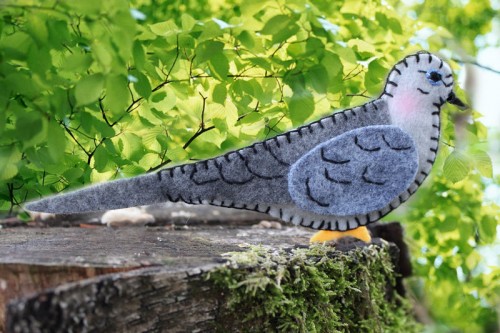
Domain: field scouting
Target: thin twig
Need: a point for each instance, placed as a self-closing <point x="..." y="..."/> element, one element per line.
<point x="202" y="129"/>
<point x="74" y="138"/>
<point x="166" y="81"/>
<point x="280" y="87"/>
<point x="89" y="159"/>
<point x="448" y="144"/>
<point x="475" y="63"/>
<point x="350" y="75"/>
<point x="103" y="113"/>
<point x="362" y="94"/>
<point x="271" y="128"/>
<point x="255" y="110"/>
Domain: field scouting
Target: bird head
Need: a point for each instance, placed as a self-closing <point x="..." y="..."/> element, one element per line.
<point x="419" y="82"/>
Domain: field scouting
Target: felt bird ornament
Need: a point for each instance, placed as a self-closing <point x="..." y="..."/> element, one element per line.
<point x="337" y="174"/>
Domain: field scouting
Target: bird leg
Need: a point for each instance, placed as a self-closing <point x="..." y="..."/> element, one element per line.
<point x="360" y="233"/>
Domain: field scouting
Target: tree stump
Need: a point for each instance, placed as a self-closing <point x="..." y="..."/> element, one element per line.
<point x="162" y="279"/>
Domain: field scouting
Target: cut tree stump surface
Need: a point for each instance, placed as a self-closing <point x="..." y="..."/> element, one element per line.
<point x="134" y="247"/>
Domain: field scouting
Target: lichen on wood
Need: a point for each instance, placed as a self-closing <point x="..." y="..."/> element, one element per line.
<point x="312" y="289"/>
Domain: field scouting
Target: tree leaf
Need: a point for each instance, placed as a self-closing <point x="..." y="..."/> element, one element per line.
<point x="281" y="27"/>
<point x="31" y="128"/>
<point x="456" y="166"/>
<point x="37" y="28"/>
<point x="220" y="93"/>
<point x="142" y="85"/>
<point x="374" y="77"/>
<point x="89" y="89"/>
<point x="164" y="29"/>
<point x="77" y="62"/>
<point x="395" y="25"/>
<point x="177" y="154"/>
<point x="9" y="159"/>
<point x="208" y="50"/>
<point x="117" y="95"/>
<point x="318" y="78"/>
<point x="482" y="162"/>
<point x="100" y="159"/>
<point x="188" y="22"/>
<point x="139" y="56"/>
<point x="301" y="106"/>
<point x="56" y="142"/>
<point x="219" y="66"/>
<point x="361" y="45"/>
<point x="149" y="160"/>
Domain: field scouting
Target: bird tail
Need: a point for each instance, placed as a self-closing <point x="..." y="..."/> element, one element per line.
<point x="232" y="180"/>
<point x="137" y="191"/>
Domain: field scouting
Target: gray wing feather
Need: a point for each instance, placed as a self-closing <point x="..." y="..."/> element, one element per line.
<point x="357" y="172"/>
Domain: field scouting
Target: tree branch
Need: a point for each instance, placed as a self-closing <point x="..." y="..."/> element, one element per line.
<point x="475" y="63"/>
<point x="101" y="107"/>
<point x="166" y="81"/>
<point x="202" y="129"/>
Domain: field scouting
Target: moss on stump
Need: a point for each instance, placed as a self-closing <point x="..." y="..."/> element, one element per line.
<point x="312" y="289"/>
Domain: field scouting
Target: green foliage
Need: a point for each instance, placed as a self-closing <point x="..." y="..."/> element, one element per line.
<point x="115" y="89"/>
<point x="467" y="21"/>
<point x="452" y="230"/>
<point x="98" y="90"/>
<point x="316" y="289"/>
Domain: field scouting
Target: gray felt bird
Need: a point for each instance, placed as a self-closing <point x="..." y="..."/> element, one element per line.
<point x="337" y="174"/>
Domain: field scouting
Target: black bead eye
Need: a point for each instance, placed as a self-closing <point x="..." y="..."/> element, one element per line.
<point x="434" y="77"/>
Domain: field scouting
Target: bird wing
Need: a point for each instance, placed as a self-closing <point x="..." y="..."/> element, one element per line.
<point x="357" y="172"/>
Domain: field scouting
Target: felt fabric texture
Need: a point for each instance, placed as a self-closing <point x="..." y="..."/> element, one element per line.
<point x="270" y="176"/>
<point x="354" y="173"/>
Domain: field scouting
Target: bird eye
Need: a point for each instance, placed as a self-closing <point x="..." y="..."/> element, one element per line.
<point x="434" y="77"/>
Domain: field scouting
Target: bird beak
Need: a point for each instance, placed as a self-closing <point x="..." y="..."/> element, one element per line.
<point x="453" y="99"/>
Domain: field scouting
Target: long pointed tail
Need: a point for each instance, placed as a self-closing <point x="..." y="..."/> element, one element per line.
<point x="137" y="191"/>
<point x="243" y="179"/>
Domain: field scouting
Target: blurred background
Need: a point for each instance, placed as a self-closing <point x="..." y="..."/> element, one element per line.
<point x="98" y="90"/>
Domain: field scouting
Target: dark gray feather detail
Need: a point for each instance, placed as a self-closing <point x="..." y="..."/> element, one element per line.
<point x="383" y="162"/>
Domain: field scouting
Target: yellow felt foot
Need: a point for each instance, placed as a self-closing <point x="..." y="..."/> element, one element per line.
<point x="361" y="233"/>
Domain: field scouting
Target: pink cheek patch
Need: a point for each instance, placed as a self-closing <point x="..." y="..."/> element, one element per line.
<point x="405" y="103"/>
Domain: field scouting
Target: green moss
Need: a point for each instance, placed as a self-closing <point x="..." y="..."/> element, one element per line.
<point x="315" y="289"/>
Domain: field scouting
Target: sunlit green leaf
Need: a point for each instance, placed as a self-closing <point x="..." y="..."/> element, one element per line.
<point x="219" y="66"/>
<point x="89" y="89"/>
<point x="116" y="94"/>
<point x="139" y="56"/>
<point x="166" y="28"/>
<point x="281" y="27"/>
<point x="177" y="154"/>
<point x="208" y="50"/>
<point x="77" y="62"/>
<point x="56" y="141"/>
<point x="482" y="162"/>
<point x="220" y="93"/>
<point x="301" y="106"/>
<point x="456" y="166"/>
